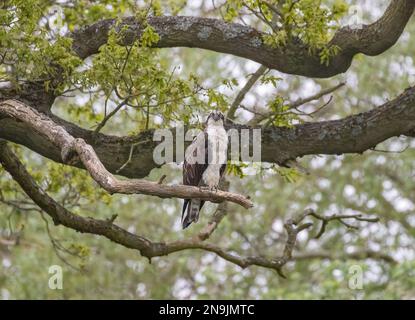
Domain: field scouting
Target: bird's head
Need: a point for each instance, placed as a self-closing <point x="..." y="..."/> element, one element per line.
<point x="215" y="118"/>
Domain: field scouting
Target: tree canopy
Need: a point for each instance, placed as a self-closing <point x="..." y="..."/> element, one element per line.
<point x="85" y="84"/>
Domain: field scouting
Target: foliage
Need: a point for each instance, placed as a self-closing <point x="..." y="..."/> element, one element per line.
<point x="307" y="20"/>
<point x="160" y="88"/>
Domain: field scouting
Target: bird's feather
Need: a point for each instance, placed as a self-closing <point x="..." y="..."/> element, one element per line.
<point x="194" y="172"/>
<point x="192" y="176"/>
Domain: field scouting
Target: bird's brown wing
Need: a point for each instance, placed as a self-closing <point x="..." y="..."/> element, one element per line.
<point x="222" y="170"/>
<point x="193" y="173"/>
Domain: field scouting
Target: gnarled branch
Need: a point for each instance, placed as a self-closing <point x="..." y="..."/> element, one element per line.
<point x="147" y="248"/>
<point x="246" y="42"/>
<point x="353" y="134"/>
<point x="72" y="148"/>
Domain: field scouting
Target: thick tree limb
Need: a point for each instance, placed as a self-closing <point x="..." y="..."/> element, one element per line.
<point x="353" y="134"/>
<point x="72" y="148"/>
<point x="111" y="231"/>
<point x="147" y="248"/>
<point x="244" y="41"/>
<point x="65" y="142"/>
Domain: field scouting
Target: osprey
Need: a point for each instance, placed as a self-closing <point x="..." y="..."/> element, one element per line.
<point x="204" y="163"/>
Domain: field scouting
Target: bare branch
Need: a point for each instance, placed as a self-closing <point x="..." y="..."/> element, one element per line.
<point x="111" y="231"/>
<point x="316" y="96"/>
<point x="294" y="105"/>
<point x="110" y="115"/>
<point x="339" y="217"/>
<point x="241" y="94"/>
<point x="357" y="255"/>
<point x="131" y="154"/>
<point x="217" y="217"/>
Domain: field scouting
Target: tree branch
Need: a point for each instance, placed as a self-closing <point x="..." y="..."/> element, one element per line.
<point x="217" y="217"/>
<point x="109" y="115"/>
<point x="316" y="96"/>
<point x="72" y="149"/>
<point x="147" y="248"/>
<point x="353" y="134"/>
<point x="244" y="41"/>
<point x="357" y="255"/>
<point x="339" y="217"/>
<point x="260" y="116"/>
<point x="111" y="231"/>
<point x="241" y="94"/>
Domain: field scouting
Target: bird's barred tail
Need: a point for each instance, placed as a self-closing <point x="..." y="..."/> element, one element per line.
<point x="192" y="213"/>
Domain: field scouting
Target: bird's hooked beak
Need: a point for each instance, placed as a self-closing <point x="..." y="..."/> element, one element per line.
<point x="216" y="116"/>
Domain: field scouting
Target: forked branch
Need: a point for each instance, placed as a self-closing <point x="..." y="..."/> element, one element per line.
<point x="74" y="150"/>
<point x="247" y="42"/>
<point x="148" y="248"/>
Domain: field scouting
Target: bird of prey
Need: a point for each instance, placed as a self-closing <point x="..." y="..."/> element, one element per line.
<point x="204" y="163"/>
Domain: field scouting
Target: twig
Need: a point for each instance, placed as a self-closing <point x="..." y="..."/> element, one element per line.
<point x="316" y="96"/>
<point x="217" y="217"/>
<point x="162" y="178"/>
<point x="390" y="151"/>
<point x="294" y="105"/>
<point x="109" y="115"/>
<point x="359" y="254"/>
<point x="57" y="247"/>
<point x="241" y="95"/>
<point x="131" y="154"/>
<point x="339" y="217"/>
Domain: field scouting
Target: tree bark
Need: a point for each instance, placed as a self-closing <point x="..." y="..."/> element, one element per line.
<point x="354" y="134"/>
<point x="246" y="42"/>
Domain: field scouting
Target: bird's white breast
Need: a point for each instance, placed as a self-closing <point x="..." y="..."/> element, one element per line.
<point x="218" y="148"/>
<point x="218" y="144"/>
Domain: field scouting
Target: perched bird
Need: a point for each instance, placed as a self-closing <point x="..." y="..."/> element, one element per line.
<point x="204" y="163"/>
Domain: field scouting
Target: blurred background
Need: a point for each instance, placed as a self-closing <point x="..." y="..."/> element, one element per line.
<point x="379" y="182"/>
